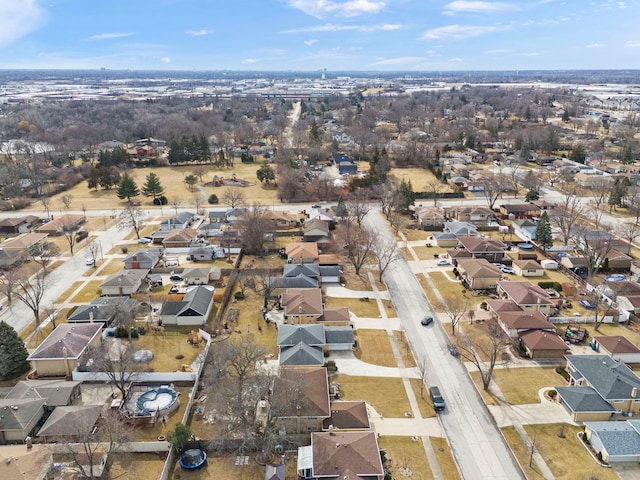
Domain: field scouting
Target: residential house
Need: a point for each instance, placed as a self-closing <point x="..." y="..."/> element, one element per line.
<point x="330" y="274"/>
<point x="478" y="247"/>
<point x="339" y="338"/>
<point x="106" y="310"/>
<point x="56" y="392"/>
<point x="615" y="441"/>
<point x="543" y="344"/>
<point x="20" y="418"/>
<point x="217" y="216"/>
<point x="317" y="230"/>
<point x="206" y="253"/>
<point x="429" y="218"/>
<point x="617" y="347"/>
<point x="10" y="258"/>
<point x="460" y="229"/>
<point x="456" y="255"/>
<point x="528" y="268"/>
<point x="302" y="305"/>
<point x="300" y="400"/>
<point x="196" y="275"/>
<point x="340" y="454"/>
<point x="499" y="306"/>
<point x="575" y="263"/>
<point x="443" y="239"/>
<point x="302" y="252"/>
<point x="279" y="285"/>
<point x="311" y="270"/>
<point x="615" y="260"/>
<point x="346" y="165"/>
<point x="336" y="316"/>
<point x="59" y="354"/>
<point x="179" y="221"/>
<point x="20" y="463"/>
<point x="472" y="214"/>
<point x="347" y="415"/>
<point x="525" y="229"/>
<point x="515" y="323"/>
<point x="275" y="471"/>
<point x="180" y="238"/>
<point x="615" y="383"/>
<point x="143" y="259"/>
<point x="14" y="225"/>
<point x="301" y="344"/>
<point x="235" y="214"/>
<point x="192" y="310"/>
<point x="64" y="223"/>
<point x="527" y="296"/>
<point x="283" y="220"/>
<point x="70" y="424"/>
<point x="615" y="290"/>
<point x="478" y="273"/>
<point x="126" y="282"/>
<point x="211" y="230"/>
<point x="519" y="210"/>
<point x="26" y="243"/>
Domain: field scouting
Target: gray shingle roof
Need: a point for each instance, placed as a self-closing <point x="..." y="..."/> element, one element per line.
<point x="126" y="278"/>
<point x="613" y="380"/>
<point x="103" y="309"/>
<point x="301" y="354"/>
<point x="583" y="399"/>
<point x="198" y="301"/>
<point x="55" y="392"/>
<point x="309" y="334"/>
<point x="307" y="269"/>
<point x="618" y="438"/>
<point x="300" y="281"/>
<point x="20" y="417"/>
<point x="339" y="334"/>
<point x="72" y="337"/>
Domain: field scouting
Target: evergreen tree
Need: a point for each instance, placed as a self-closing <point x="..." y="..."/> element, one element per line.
<point x="13" y="353"/>
<point x="265" y="173"/>
<point x="543" y="235"/>
<point x="152" y="186"/>
<point x="405" y="196"/>
<point x="341" y="208"/>
<point x="532" y="195"/>
<point x="204" y="153"/>
<point x="314" y="134"/>
<point x="127" y="187"/>
<point x="176" y="153"/>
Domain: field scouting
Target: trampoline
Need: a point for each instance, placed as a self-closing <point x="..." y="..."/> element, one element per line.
<point x="193" y="458"/>
<point x="616" y="277"/>
<point x="525" y="246"/>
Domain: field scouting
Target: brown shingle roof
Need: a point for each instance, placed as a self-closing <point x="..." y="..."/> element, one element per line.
<point x="525" y="321"/>
<point x="302" y="250"/>
<point x="24" y="241"/>
<point x="527" y="264"/>
<point x="478" y="268"/>
<point x="347" y="415"/>
<point x="481" y="245"/>
<point x="541" y="340"/>
<point x="336" y="314"/>
<point x="301" y="392"/>
<point x="305" y="301"/>
<point x="74" y="337"/>
<point x="346" y="455"/>
<point x="525" y="293"/>
<point x="617" y="344"/>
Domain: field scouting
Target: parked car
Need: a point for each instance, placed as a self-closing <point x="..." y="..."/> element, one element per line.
<point x="436" y="398"/>
<point x="89" y="262"/>
<point x="81" y="235"/>
<point x="175" y="278"/>
<point x="426" y="320"/>
<point x="442" y="262"/>
<point x="144" y="240"/>
<point x="453" y="350"/>
<point x="508" y="270"/>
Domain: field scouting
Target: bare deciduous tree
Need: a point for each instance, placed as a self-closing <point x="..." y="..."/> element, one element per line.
<point x="567" y="213"/>
<point x="385" y="252"/>
<point x="492" y="188"/>
<point x="95" y="250"/>
<point x="385" y="195"/>
<point x="31" y="290"/>
<point x="254" y="225"/>
<point x="66" y="200"/>
<point x="358" y="205"/>
<point x="484" y="352"/>
<point x="455" y="309"/>
<point x="131" y="218"/>
<point x="356" y="242"/>
<point x="8" y="283"/>
<point x="434" y="187"/>
<point x="46" y="203"/>
<point x="233" y="197"/>
<point x="117" y="363"/>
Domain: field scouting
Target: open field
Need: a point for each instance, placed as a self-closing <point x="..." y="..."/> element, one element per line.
<point x="406" y="458"/>
<point x="386" y="395"/>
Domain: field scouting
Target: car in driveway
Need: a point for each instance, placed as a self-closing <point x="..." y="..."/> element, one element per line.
<point x="426" y="320"/>
<point x="144" y="240"/>
<point x="174" y="277"/>
<point x="442" y="262"/>
<point x="508" y="270"/>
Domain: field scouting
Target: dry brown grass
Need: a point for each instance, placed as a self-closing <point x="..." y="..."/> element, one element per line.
<point x="111" y="267"/>
<point x="374" y="347"/>
<point x="412" y="233"/>
<point x="445" y="458"/>
<point x="566" y="457"/>
<point x="386" y="395"/>
<point x="250" y="322"/>
<point x="521" y="385"/>
<point x="405" y="349"/>
<point x="166" y="346"/>
<point x="89" y="292"/>
<point x="424" y="403"/>
<point x="521" y="452"/>
<point x="136" y="466"/>
<point x="150" y="434"/>
<point x="358" y="307"/>
<point x="218" y="468"/>
<point x="68" y="292"/>
<point x="404" y="456"/>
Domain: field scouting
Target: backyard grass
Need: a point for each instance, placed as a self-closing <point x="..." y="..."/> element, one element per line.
<point x="405" y="457"/>
<point x="425" y="405"/>
<point x="374" y="347"/>
<point x="386" y="395"/>
<point x="521" y="385"/>
<point x="165" y="347"/>
<point x="356" y="306"/>
<point x="221" y="468"/>
<point x="134" y="466"/>
<point x="445" y="458"/>
<point x="88" y="292"/>
<point x="250" y="322"/>
<point x="566" y="457"/>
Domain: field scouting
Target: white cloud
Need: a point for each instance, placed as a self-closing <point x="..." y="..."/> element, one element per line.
<point x="250" y="60"/>
<point x="19" y="18"/>
<point x="633" y="44"/>
<point x="313" y="41"/>
<point x="324" y="8"/>
<point x="199" y="33"/>
<point x="109" y="36"/>
<point x="463" y="6"/>
<point x="456" y="60"/>
<point x="461" y="32"/>
<point x="397" y="61"/>
<point x="346" y="49"/>
<point x="595" y="45"/>
<point x="165" y="60"/>
<point x="330" y="27"/>
<point x="497" y="51"/>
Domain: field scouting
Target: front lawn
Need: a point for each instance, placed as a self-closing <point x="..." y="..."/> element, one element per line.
<point x="445" y="458"/>
<point x="386" y="395"/>
<point x="374" y="347"/>
<point x="90" y="291"/>
<point x="406" y="458"/>
<point x="520" y="386"/>
<point x="360" y="308"/>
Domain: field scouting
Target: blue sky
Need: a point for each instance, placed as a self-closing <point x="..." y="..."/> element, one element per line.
<point x="314" y="34"/>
